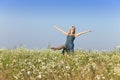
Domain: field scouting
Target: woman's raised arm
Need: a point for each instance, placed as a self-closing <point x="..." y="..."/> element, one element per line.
<point x="60" y="30"/>
<point x="80" y="33"/>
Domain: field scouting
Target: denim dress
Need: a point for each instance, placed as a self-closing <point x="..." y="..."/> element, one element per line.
<point x="69" y="44"/>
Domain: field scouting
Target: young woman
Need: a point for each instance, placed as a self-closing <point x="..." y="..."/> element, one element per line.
<point x="69" y="45"/>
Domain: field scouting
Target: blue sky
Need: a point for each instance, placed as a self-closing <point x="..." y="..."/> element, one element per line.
<point x="29" y="22"/>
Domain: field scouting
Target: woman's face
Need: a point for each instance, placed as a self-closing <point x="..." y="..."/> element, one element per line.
<point x="72" y="30"/>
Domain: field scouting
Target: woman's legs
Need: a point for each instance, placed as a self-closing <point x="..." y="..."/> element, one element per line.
<point x="58" y="48"/>
<point x="69" y="49"/>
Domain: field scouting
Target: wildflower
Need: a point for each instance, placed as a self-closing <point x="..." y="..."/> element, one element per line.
<point x="22" y="70"/>
<point x="67" y="67"/>
<point x="98" y="77"/>
<point x="29" y="73"/>
<point x="15" y="77"/>
<point x="103" y="78"/>
<point x="39" y="77"/>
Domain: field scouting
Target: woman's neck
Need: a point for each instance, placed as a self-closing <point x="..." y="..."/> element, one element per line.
<point x="71" y="34"/>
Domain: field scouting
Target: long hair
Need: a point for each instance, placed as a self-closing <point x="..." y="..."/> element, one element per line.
<point x="73" y="29"/>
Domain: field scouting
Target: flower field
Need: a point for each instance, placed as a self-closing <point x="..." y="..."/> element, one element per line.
<point x="25" y="64"/>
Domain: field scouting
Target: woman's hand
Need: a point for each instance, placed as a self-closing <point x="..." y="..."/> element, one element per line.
<point x="89" y="31"/>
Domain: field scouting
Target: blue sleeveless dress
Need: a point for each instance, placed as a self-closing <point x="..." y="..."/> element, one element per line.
<point x="69" y="44"/>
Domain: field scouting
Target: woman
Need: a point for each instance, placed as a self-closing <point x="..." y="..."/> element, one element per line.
<point x="69" y="45"/>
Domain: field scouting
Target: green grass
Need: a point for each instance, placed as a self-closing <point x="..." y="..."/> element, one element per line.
<point x="25" y="64"/>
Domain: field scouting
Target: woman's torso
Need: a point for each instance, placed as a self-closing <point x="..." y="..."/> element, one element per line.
<point x="70" y="40"/>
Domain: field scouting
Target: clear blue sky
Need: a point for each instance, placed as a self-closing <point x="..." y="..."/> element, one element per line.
<point x="29" y="22"/>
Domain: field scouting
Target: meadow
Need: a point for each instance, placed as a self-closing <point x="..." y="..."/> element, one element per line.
<point x="26" y="64"/>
